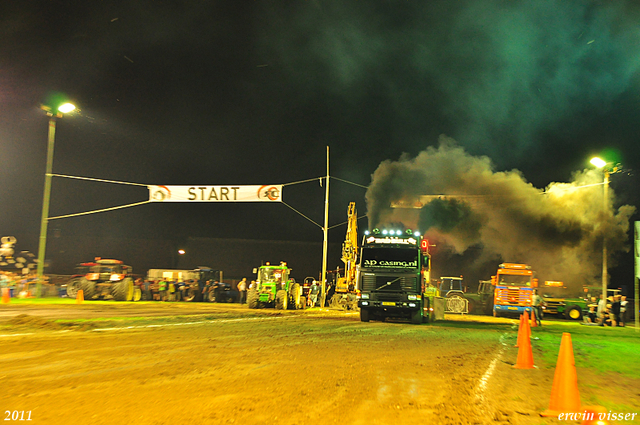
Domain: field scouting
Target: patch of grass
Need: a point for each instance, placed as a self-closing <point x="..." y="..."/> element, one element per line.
<point x="601" y="349"/>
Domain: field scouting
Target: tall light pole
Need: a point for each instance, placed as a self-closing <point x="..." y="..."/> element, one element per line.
<point x="53" y="114"/>
<point x="600" y="163"/>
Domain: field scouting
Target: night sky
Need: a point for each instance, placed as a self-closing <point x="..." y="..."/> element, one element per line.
<point x="239" y="93"/>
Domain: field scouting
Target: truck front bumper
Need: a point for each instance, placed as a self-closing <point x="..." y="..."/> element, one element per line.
<point x="513" y="309"/>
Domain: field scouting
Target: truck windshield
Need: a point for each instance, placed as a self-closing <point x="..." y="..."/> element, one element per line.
<point x="514" y="280"/>
<point x="390" y="258"/>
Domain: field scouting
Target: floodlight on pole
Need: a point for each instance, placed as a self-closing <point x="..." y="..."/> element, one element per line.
<point x="600" y="163"/>
<point x="64" y="108"/>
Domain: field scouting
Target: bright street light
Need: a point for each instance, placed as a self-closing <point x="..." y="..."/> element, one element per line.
<point x="64" y="108"/>
<point x="181" y="251"/>
<point x="600" y="163"/>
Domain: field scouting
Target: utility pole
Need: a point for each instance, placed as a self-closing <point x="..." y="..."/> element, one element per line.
<point x="325" y="230"/>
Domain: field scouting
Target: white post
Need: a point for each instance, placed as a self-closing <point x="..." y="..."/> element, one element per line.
<point x="325" y="230"/>
<point x="604" y="237"/>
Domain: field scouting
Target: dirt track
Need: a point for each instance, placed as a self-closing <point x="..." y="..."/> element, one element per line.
<point x="232" y="365"/>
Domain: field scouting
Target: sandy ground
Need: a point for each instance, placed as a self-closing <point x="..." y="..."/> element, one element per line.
<point x="220" y="364"/>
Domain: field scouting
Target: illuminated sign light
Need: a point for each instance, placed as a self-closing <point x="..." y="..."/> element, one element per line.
<point x="392" y="240"/>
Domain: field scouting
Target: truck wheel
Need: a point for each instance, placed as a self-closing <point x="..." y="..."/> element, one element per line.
<point x="416" y="317"/>
<point x="574" y="313"/>
<point x="190" y="294"/>
<point x="495" y="313"/>
<point x="88" y="288"/>
<point x="123" y="290"/>
<point x="281" y="300"/>
<point x="364" y="315"/>
<point x="252" y="298"/>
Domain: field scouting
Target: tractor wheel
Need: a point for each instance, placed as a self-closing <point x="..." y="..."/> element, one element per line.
<point x="294" y="296"/>
<point x="72" y="287"/>
<point x="137" y="293"/>
<point x="573" y="313"/>
<point x="303" y="303"/>
<point x="123" y="290"/>
<point x="211" y="296"/>
<point x="190" y="294"/>
<point x="364" y="315"/>
<point x="471" y="307"/>
<point x="495" y="313"/>
<point x="281" y="300"/>
<point x="416" y="317"/>
<point x="252" y="298"/>
<point x="88" y="288"/>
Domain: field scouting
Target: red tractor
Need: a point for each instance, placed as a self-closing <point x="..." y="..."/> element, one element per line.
<point x="104" y="279"/>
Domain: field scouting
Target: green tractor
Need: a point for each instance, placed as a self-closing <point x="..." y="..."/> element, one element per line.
<point x="274" y="288"/>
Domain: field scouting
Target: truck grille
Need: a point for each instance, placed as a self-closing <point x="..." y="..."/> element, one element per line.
<point x="372" y="283"/>
<point x="509" y="296"/>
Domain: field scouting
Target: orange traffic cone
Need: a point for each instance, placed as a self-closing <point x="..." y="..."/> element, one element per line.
<point x="525" y="352"/>
<point x="565" y="397"/>
<point x="534" y="322"/>
<point x="79" y="296"/>
<point x="5" y="296"/>
<point x="520" y="329"/>
<point x="594" y="415"/>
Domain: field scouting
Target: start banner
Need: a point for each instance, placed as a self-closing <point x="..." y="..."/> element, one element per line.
<point x="265" y="193"/>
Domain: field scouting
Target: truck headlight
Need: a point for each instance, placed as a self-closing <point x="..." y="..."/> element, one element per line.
<point x="412" y="304"/>
<point x="412" y="297"/>
<point x="365" y="303"/>
<point x="365" y="296"/>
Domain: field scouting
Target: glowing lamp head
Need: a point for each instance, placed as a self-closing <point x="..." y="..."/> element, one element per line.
<point x="366" y="232"/>
<point x="65" y="108"/>
<point x="384" y="232"/>
<point x="598" y="162"/>
<point x="416" y="233"/>
<point x="181" y="251"/>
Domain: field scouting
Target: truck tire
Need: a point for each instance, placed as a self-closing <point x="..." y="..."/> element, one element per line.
<point x="281" y="299"/>
<point x="573" y="313"/>
<point x="364" y="315"/>
<point x="88" y="288"/>
<point x="416" y="317"/>
<point x="123" y="290"/>
<point x="252" y="298"/>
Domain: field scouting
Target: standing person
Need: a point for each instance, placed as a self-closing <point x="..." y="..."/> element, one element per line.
<point x="602" y="308"/>
<point x="623" y="310"/>
<point x="242" y="288"/>
<point x="314" y="290"/>
<point x="614" y="315"/>
<point x="537" y="302"/>
<point x="162" y="290"/>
